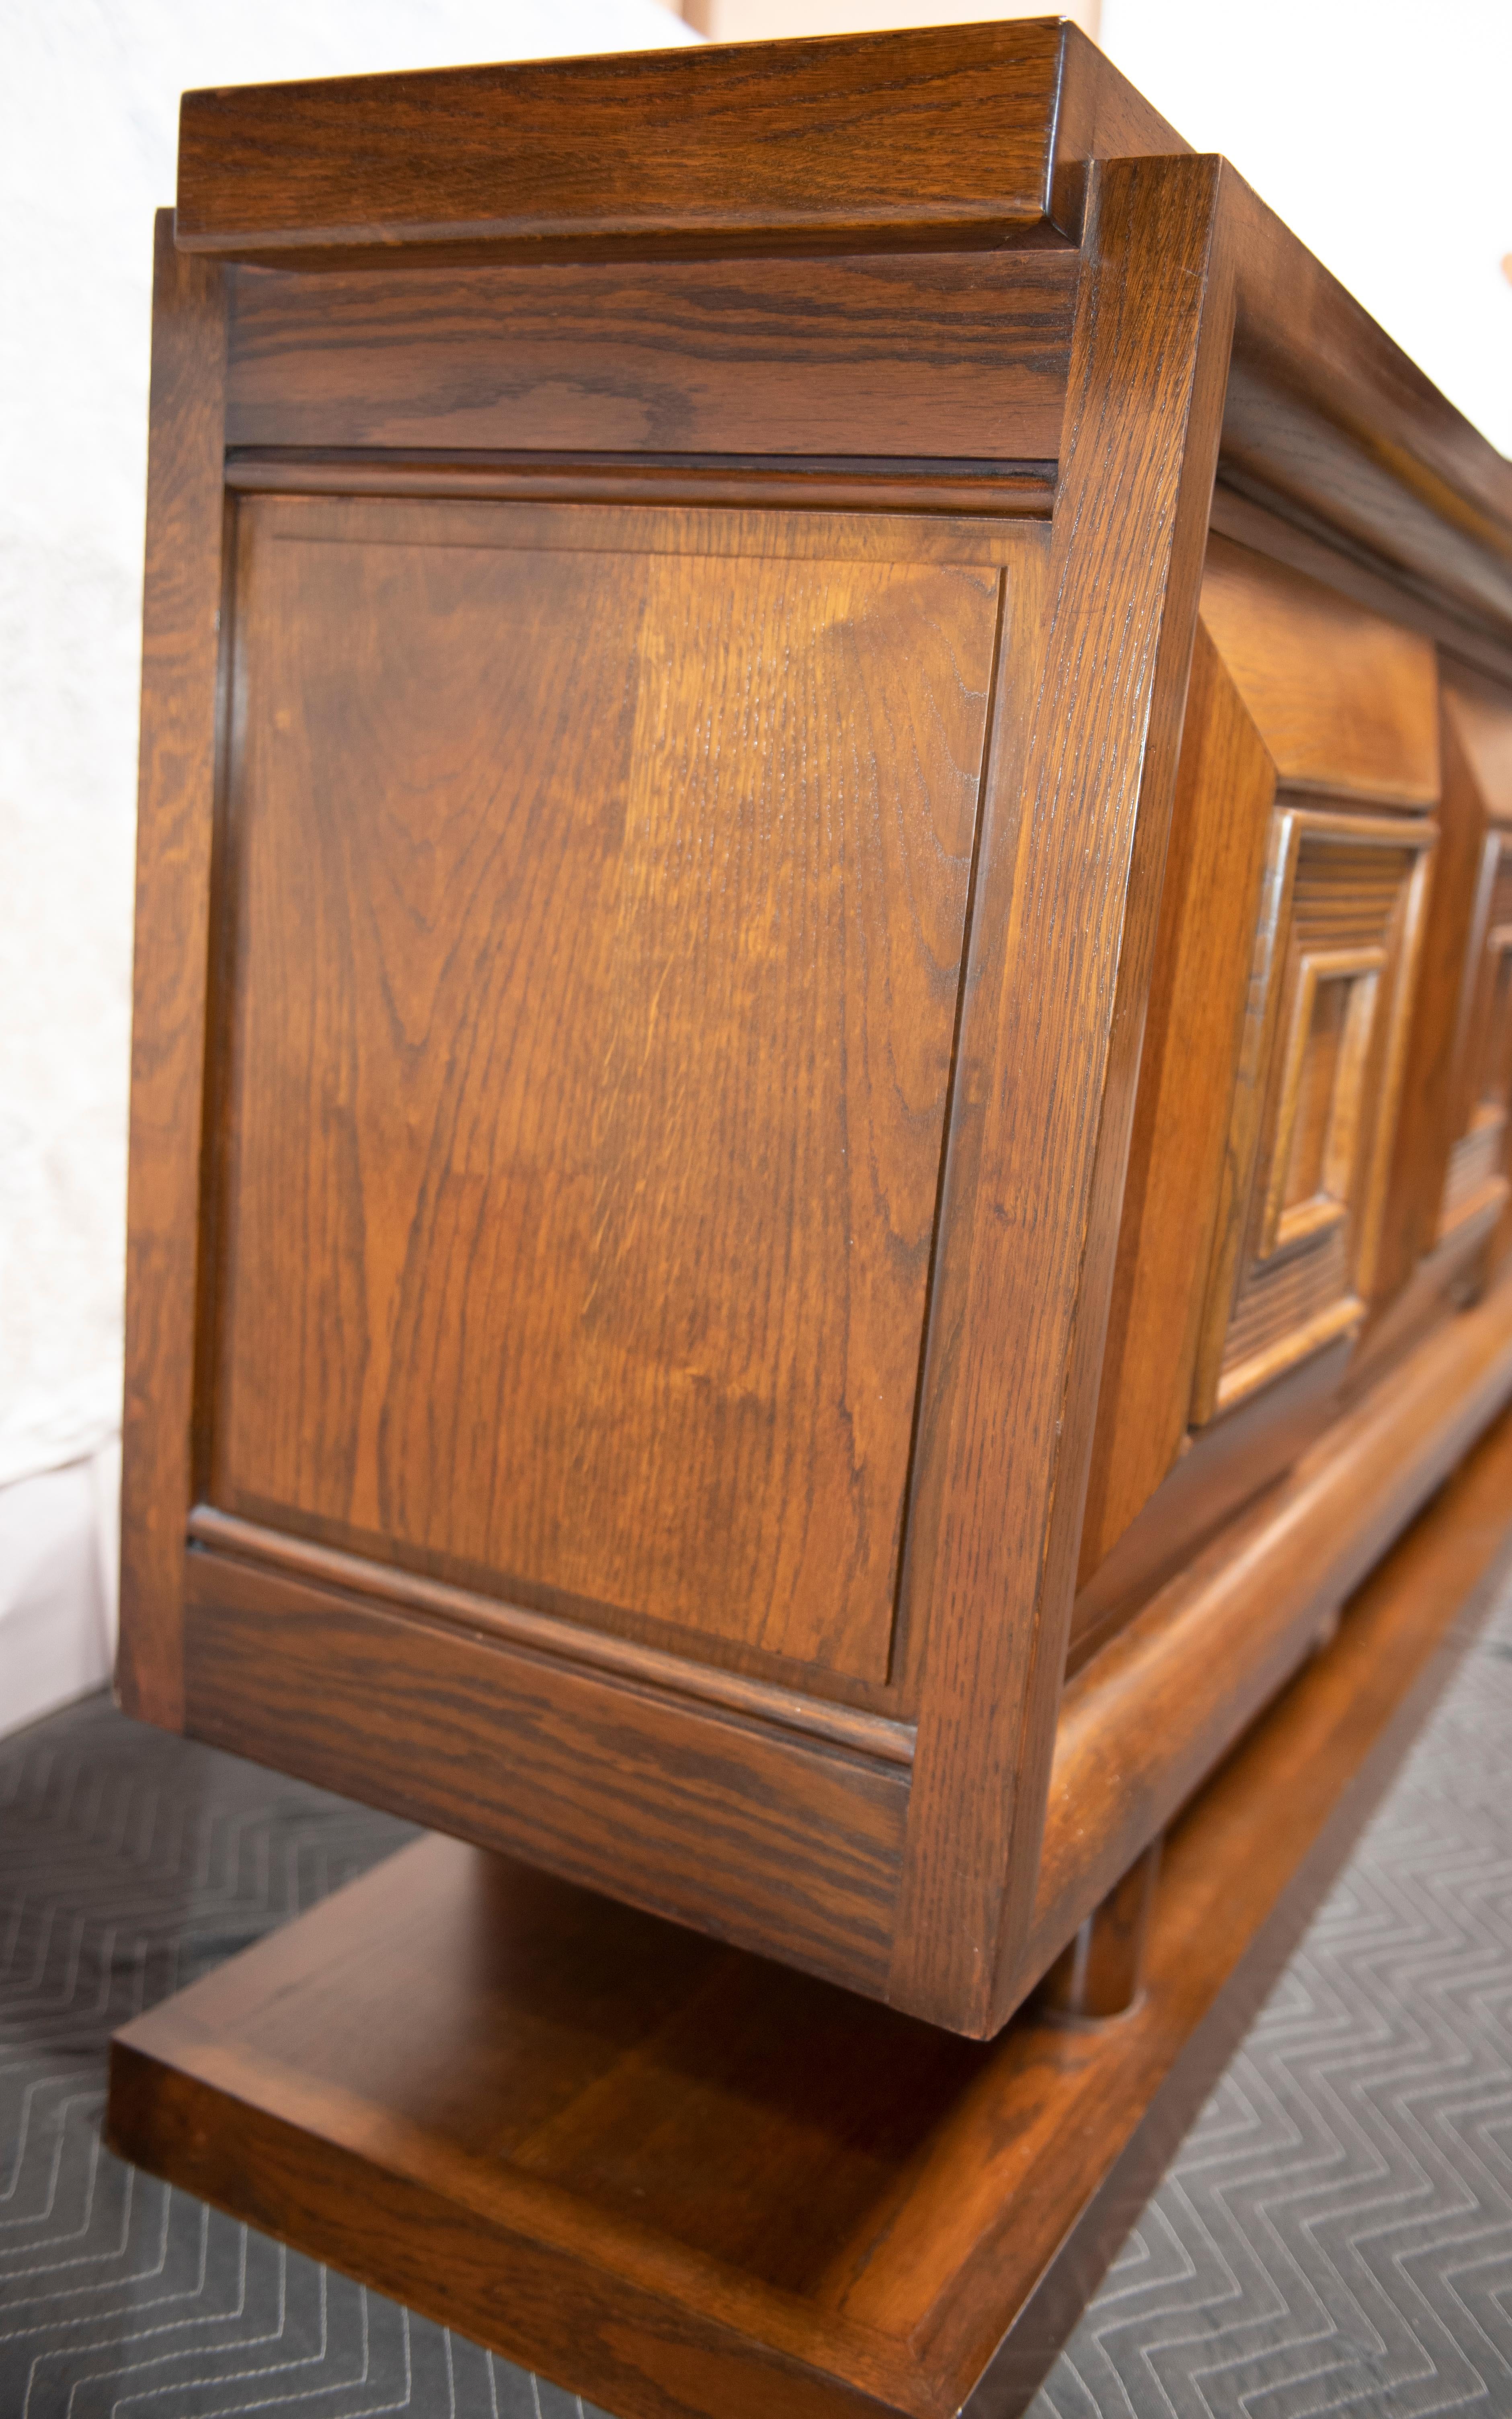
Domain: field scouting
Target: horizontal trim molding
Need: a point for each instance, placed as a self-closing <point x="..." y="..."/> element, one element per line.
<point x="1025" y="490"/>
<point x="864" y="1733"/>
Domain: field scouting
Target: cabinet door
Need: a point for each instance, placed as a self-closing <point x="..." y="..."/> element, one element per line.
<point x="1290" y="934"/>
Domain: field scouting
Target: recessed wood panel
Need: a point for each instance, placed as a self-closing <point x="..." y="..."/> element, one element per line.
<point x="598" y="883"/>
<point x="961" y="355"/>
<point x="1313" y="1119"/>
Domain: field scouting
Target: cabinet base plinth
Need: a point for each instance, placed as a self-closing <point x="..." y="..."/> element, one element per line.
<point x="682" y="2180"/>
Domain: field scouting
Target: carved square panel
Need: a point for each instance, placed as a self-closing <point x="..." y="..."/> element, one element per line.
<point x="1323" y="1095"/>
<point x="1315" y="1107"/>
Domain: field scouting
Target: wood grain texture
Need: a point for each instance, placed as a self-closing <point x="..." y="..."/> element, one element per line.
<point x="599" y="913"/>
<point x="182" y="612"/>
<point x="1286" y="1192"/>
<point x="1299" y="539"/>
<point x="938" y="134"/>
<point x="779" y="1844"/>
<point x="847" y="135"/>
<point x="935" y="355"/>
<point x="1027" y="1245"/>
<point x="1210" y="909"/>
<point x="669" y="1131"/>
<point x="1213" y="1476"/>
<point x="1295" y="1261"/>
<point x="1481" y="717"/>
<point x="818" y="483"/>
<point x="1435" y="1110"/>
<point x="1345" y="701"/>
<point x="1101" y="1973"/>
<point x="842" y="1723"/>
<point x="1145" y="1720"/>
<point x="579" y="2135"/>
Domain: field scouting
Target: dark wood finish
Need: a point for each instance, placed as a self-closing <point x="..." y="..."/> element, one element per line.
<point x="1314" y="1116"/>
<point x="1225" y="786"/>
<point x="929" y="355"/>
<point x="1280" y="1015"/>
<point x="1208" y="1479"/>
<point x="1439" y="1106"/>
<point x="1019" y="1323"/>
<point x="948" y="135"/>
<point x="180" y="652"/>
<point x="1306" y="544"/>
<point x="582" y="2136"/>
<point x="830" y="1718"/>
<point x="1344" y="699"/>
<point x="940" y="137"/>
<point x="654" y="1219"/>
<point x="783" y="1845"/>
<point x="1014" y="489"/>
<point x="437" y="1253"/>
<point x="1101" y="1973"/>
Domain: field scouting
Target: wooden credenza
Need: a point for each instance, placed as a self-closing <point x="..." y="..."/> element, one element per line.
<point x="824" y="1012"/>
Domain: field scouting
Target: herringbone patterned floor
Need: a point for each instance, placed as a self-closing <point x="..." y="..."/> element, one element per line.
<point x="1335" y="2234"/>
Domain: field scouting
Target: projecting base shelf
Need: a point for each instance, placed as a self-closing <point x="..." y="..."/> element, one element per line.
<point x="682" y="2180"/>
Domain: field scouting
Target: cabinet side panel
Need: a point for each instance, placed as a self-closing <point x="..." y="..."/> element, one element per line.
<point x="599" y="913"/>
<point x="176" y="819"/>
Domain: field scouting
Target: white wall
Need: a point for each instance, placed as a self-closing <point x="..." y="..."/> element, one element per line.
<point x="89" y="104"/>
<point x="1383" y="133"/>
<point x="767" y="20"/>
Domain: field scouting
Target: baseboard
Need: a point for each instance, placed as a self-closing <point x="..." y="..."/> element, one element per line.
<point x="57" y="1587"/>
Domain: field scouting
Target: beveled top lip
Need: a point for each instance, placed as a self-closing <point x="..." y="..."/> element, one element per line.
<point x="933" y="135"/>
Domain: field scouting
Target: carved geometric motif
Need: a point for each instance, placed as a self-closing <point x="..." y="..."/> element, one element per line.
<point x="1314" y="1108"/>
<point x="1317" y="1129"/>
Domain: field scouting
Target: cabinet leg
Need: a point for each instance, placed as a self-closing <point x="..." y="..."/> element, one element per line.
<point x="1101" y="1973"/>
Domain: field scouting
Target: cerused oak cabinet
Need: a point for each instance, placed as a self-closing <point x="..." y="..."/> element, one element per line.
<point x="823" y="998"/>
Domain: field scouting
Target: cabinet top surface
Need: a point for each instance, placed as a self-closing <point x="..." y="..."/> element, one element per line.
<point x="953" y="132"/>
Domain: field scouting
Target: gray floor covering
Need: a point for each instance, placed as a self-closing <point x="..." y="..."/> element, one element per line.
<point x="1334" y="2234"/>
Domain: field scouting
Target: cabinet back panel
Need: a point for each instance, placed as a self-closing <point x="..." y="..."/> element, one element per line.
<point x="595" y="889"/>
